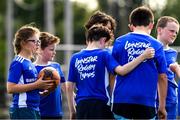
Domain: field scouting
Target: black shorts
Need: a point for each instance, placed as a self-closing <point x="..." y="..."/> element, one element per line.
<point x="48" y="117"/>
<point x="93" y="109"/>
<point x="134" y="111"/>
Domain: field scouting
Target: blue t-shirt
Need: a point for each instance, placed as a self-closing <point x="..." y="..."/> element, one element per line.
<point x="89" y="70"/>
<point x="171" y="57"/>
<point x="22" y="71"/>
<point x="140" y="85"/>
<point x="51" y="105"/>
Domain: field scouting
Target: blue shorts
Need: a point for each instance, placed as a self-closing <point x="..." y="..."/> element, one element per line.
<point x="24" y="113"/>
<point x="171" y="111"/>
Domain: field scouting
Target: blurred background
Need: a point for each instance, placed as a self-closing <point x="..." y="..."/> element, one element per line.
<point x="66" y="19"/>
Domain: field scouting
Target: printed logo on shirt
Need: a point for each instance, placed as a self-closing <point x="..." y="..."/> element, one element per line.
<point x="30" y="80"/>
<point x="135" y="49"/>
<point x="86" y="67"/>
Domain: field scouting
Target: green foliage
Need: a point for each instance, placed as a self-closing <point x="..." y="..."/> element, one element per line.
<point x="103" y="5"/>
<point x="2" y="53"/>
<point x="29" y="13"/>
<point x="80" y="17"/>
<point x="59" y="19"/>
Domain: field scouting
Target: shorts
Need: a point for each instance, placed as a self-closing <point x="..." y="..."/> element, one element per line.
<point x="118" y="117"/>
<point x="24" y="113"/>
<point x="51" y="117"/>
<point x="134" y="111"/>
<point x="93" y="109"/>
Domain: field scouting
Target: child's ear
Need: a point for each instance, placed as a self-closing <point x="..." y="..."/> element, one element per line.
<point x="23" y="43"/>
<point x="151" y="25"/>
<point x="131" y="27"/>
<point x="102" y="40"/>
<point x="158" y="30"/>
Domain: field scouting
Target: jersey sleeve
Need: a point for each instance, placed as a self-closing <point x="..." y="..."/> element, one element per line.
<point x="15" y="72"/>
<point x="160" y="61"/>
<point x="72" y="74"/>
<point x="115" y="50"/>
<point x="61" y="74"/>
<point x="111" y="63"/>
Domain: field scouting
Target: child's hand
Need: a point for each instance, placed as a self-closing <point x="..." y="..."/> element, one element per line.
<point x="45" y="84"/>
<point x="173" y="66"/>
<point x="148" y="53"/>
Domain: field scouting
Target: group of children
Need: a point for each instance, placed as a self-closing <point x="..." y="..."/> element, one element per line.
<point x="134" y="78"/>
<point x="23" y="81"/>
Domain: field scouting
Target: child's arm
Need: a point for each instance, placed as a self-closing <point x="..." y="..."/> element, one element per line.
<point x="63" y="87"/>
<point x="70" y="98"/>
<point x="111" y="82"/>
<point x="175" y="68"/>
<point x="123" y="70"/>
<point x="162" y="93"/>
<point x="20" y="88"/>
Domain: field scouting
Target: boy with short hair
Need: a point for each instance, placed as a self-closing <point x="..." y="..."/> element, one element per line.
<point x="134" y="95"/>
<point x="50" y="105"/>
<point x="167" y="29"/>
<point x="88" y="73"/>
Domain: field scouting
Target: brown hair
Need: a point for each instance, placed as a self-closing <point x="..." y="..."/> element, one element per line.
<point x="100" y="18"/>
<point x="23" y="34"/>
<point x="141" y="16"/>
<point x="48" y="39"/>
<point x="98" y="31"/>
<point x="162" y="21"/>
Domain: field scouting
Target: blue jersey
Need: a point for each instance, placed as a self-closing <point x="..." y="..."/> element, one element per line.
<point x="51" y="105"/>
<point x="22" y="71"/>
<point x="171" y="57"/>
<point x="140" y="85"/>
<point x="88" y="69"/>
<point x="178" y="109"/>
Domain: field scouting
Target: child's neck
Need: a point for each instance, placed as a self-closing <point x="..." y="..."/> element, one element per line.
<point x="40" y="61"/>
<point x="142" y="29"/>
<point x="93" y="45"/>
<point x="25" y="55"/>
<point x="165" y="45"/>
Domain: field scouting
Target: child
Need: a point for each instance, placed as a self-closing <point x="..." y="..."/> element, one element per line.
<point x="22" y="78"/>
<point x="104" y="19"/>
<point x="50" y="105"/>
<point x="134" y="95"/>
<point x="88" y="72"/>
<point x="167" y="30"/>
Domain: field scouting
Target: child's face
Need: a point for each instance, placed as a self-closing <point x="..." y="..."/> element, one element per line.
<point x="32" y="44"/>
<point x="169" y="33"/>
<point x="49" y="52"/>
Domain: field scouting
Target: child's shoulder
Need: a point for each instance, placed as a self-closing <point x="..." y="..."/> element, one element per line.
<point x="53" y="63"/>
<point x="170" y="49"/>
<point x="18" y="60"/>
